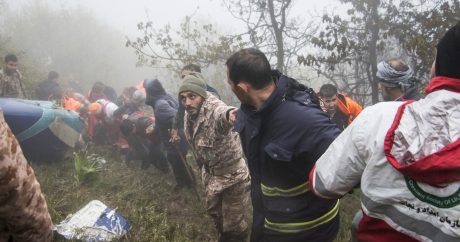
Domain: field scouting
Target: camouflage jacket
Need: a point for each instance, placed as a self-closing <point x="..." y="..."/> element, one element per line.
<point x="23" y="212"/>
<point x="216" y="145"/>
<point x="11" y="86"/>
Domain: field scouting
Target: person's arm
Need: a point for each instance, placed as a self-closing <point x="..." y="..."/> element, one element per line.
<point x="340" y="168"/>
<point x="123" y="109"/>
<point x="164" y="112"/>
<point x="21" y="85"/>
<point x="22" y="204"/>
<point x="223" y="115"/>
<point x="354" y="108"/>
<point x="179" y="117"/>
<point x="178" y="122"/>
<point x="316" y="132"/>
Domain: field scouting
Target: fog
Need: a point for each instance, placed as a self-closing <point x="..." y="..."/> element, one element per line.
<point x="86" y="41"/>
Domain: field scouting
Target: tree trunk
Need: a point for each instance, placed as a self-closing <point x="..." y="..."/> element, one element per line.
<point x="278" y="30"/>
<point x="374" y="28"/>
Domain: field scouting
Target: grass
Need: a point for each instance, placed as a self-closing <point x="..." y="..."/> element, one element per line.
<point x="86" y="165"/>
<point x="145" y="198"/>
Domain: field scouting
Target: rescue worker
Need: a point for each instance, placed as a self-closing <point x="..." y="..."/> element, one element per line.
<point x="179" y="118"/>
<point x="134" y="104"/>
<point x="83" y="105"/>
<point x="10" y="79"/>
<point x="143" y="140"/>
<point x="75" y="102"/>
<point x="102" y="91"/>
<point x="126" y="95"/>
<point x="342" y="110"/>
<point x="396" y="81"/>
<point x="23" y="212"/>
<point x="46" y="89"/>
<point x="103" y="128"/>
<point x="283" y="132"/>
<point x="224" y="171"/>
<point x="406" y="159"/>
<point x="165" y="108"/>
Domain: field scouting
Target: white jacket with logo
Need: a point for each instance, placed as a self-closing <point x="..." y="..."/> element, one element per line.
<point x="396" y="151"/>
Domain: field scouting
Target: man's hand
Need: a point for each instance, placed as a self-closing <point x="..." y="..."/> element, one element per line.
<point x="232" y="116"/>
<point x="175" y="138"/>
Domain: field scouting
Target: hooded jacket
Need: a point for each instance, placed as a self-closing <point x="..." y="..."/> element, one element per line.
<point x="282" y="140"/>
<point x="405" y="155"/>
<point x="164" y="106"/>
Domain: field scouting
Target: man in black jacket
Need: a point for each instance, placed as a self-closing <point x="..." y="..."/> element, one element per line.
<point x="47" y="89"/>
<point x="283" y="132"/>
<point x="165" y="108"/>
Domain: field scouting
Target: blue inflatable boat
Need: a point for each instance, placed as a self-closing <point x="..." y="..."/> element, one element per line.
<point x="45" y="132"/>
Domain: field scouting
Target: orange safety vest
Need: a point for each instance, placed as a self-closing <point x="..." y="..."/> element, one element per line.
<point x="71" y="104"/>
<point x="349" y="107"/>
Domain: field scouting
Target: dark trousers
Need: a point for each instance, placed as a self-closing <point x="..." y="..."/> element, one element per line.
<point x="157" y="157"/>
<point x="148" y="152"/>
<point x="176" y="158"/>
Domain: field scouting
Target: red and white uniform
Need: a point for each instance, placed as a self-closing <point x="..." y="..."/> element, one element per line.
<point x="406" y="155"/>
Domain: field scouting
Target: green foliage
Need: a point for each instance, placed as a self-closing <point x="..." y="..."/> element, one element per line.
<point x="418" y="32"/>
<point x="192" y="42"/>
<point x="377" y="30"/>
<point x="30" y="68"/>
<point x="273" y="29"/>
<point x="86" y="165"/>
<point x="270" y="28"/>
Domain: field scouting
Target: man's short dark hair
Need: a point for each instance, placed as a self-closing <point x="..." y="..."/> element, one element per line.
<point x="327" y="91"/>
<point x="53" y="75"/>
<point x="249" y="65"/>
<point x="192" y="67"/>
<point x="11" y="58"/>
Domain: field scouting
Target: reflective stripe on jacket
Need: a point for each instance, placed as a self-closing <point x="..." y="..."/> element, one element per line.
<point x="282" y="140"/>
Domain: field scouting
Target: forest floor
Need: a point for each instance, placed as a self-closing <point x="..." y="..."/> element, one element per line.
<point x="145" y="198"/>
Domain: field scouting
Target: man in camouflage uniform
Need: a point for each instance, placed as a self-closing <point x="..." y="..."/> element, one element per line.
<point x="224" y="171"/>
<point x="10" y="79"/>
<point x="23" y="212"/>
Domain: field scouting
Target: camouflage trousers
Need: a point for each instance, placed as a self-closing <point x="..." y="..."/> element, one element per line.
<point x="229" y="210"/>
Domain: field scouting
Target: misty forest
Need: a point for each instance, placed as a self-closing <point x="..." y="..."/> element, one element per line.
<point x="340" y="46"/>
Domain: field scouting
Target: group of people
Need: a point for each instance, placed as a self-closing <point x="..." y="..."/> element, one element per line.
<point x="293" y="151"/>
